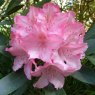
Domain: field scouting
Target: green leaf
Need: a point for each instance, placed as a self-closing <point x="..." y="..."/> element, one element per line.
<point x="90" y="34"/>
<point x="48" y="92"/>
<point x="2" y="48"/>
<point x="14" y="9"/>
<point x="12" y="4"/>
<point x="91" y="47"/>
<point x="91" y="59"/>
<point x="41" y="3"/>
<point x="5" y="22"/>
<point x="55" y="92"/>
<point x="61" y="92"/>
<point x="21" y="90"/>
<point x="85" y="75"/>
<point x="3" y="42"/>
<point x="11" y="82"/>
<point x="1" y="2"/>
<point x="3" y="39"/>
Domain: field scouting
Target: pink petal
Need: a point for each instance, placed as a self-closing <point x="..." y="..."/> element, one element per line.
<point x="18" y="62"/>
<point x="28" y="69"/>
<point x="42" y="82"/>
<point x="51" y="7"/>
<point x="37" y="72"/>
<point x="66" y="65"/>
<point x="54" y="41"/>
<point x="21" y="20"/>
<point x="50" y="11"/>
<point x="20" y="30"/>
<point x="57" y="80"/>
<point x="50" y="73"/>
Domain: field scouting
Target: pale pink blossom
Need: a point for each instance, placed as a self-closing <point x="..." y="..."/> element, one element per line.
<point x="49" y="35"/>
<point x="50" y="73"/>
<point x="39" y="44"/>
<point x="21" y="57"/>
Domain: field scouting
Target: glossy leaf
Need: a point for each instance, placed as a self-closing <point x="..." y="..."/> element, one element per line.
<point x="3" y="39"/>
<point x="90" y="33"/>
<point x="61" y="92"/>
<point x="55" y="92"/>
<point x="85" y="75"/>
<point x="15" y="9"/>
<point x="3" y="42"/>
<point x="21" y="90"/>
<point x="91" y="47"/>
<point x="5" y="22"/>
<point x="40" y="4"/>
<point x="91" y="59"/>
<point x="11" y="82"/>
<point x="12" y="4"/>
<point x="2" y="49"/>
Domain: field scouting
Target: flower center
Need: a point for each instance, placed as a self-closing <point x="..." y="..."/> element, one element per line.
<point x="42" y="37"/>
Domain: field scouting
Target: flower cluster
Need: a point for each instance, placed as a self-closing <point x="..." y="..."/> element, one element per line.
<point x="51" y="36"/>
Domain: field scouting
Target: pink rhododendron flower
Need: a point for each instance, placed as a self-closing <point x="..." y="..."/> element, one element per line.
<point x="51" y="36"/>
<point x="21" y="57"/>
<point x="53" y="73"/>
<point x="40" y="44"/>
